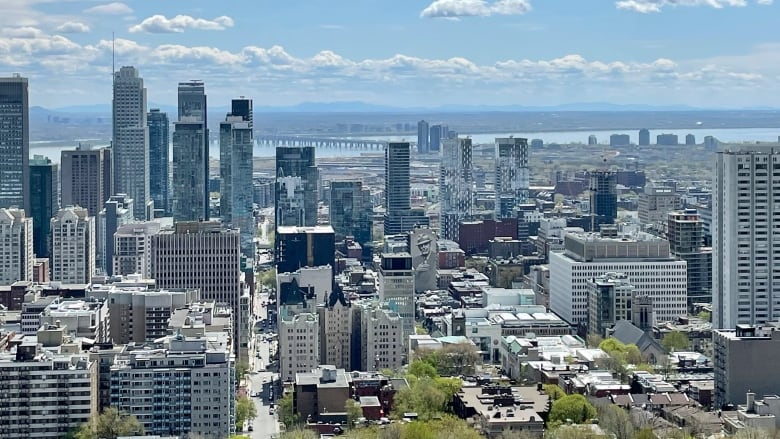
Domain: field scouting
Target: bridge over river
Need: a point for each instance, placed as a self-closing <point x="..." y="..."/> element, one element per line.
<point x="272" y="141"/>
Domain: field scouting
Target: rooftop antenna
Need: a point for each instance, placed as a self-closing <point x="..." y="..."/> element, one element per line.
<point x="113" y="56"/>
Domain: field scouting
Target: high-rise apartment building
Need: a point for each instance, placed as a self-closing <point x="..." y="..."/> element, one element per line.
<point x="191" y="155"/>
<point x="396" y="288"/>
<point x="742" y="360"/>
<point x="603" y="195"/>
<point x="609" y="300"/>
<point x="513" y="175"/>
<point x="299" y="344"/>
<point x="399" y="216"/>
<point x="746" y="274"/>
<point x="351" y="213"/>
<point x="85" y="176"/>
<point x="15" y="145"/>
<point x="133" y="249"/>
<point x="296" y="186"/>
<point x="686" y="242"/>
<point x="436" y="133"/>
<point x="335" y="317"/>
<point x="117" y="211"/>
<point x="655" y="203"/>
<point x="423" y="146"/>
<point x="159" y="160"/>
<point x="131" y="140"/>
<point x="297" y="247"/>
<point x="236" y="142"/>
<point x="16" y="246"/>
<point x="44" y="201"/>
<point x="455" y="186"/>
<point x="381" y="343"/>
<point x="644" y="137"/>
<point x="73" y="246"/>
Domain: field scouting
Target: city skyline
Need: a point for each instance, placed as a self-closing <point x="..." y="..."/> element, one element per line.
<point x="497" y="52"/>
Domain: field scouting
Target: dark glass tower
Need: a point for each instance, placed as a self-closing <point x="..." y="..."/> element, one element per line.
<point x="603" y="196"/>
<point x="159" y="162"/>
<point x="44" y="202"/>
<point x="351" y="212"/>
<point x="296" y="186"/>
<point x="14" y="143"/>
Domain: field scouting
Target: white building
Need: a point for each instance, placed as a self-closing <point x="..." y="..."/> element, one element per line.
<point x="745" y="238"/>
<point x="455" y="185"/>
<point x="299" y="344"/>
<point x="513" y="176"/>
<point x="304" y="288"/>
<point x="609" y="300"/>
<point x="45" y="394"/>
<point x="83" y="318"/>
<point x="645" y="259"/>
<point x="655" y="203"/>
<point x="180" y="386"/>
<point x="336" y="331"/>
<point x="16" y="247"/>
<point x="381" y="339"/>
<point x="73" y="246"/>
<point x="133" y="248"/>
<point x="396" y="288"/>
<point x="117" y="211"/>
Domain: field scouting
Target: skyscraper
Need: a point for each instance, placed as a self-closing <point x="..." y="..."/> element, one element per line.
<point x="351" y="212"/>
<point x="73" y="246"/>
<point x="644" y="137"/>
<point x="191" y="155"/>
<point x="15" y="144"/>
<point x="296" y="186"/>
<point x="436" y="133"/>
<point x="159" y="161"/>
<point x="455" y="186"/>
<point x="512" y="175"/>
<point x="603" y="196"/>
<point x="16" y="251"/>
<point x="117" y="211"/>
<point x="86" y="178"/>
<point x="131" y="140"/>
<point x="399" y="216"/>
<point x="44" y="201"/>
<point x="686" y="242"/>
<point x="744" y="226"/>
<point x="236" y="142"/>
<point x="422" y="137"/>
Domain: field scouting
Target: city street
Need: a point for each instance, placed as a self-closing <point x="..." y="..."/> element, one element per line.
<point x="260" y="380"/>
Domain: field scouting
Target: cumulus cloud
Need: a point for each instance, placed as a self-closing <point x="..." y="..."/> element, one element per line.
<point x="115" y="8"/>
<point x="475" y="8"/>
<point x="22" y="32"/>
<point x="648" y="6"/>
<point x="72" y="27"/>
<point x="180" y="23"/>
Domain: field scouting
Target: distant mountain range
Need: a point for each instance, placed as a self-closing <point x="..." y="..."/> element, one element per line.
<point x="364" y="107"/>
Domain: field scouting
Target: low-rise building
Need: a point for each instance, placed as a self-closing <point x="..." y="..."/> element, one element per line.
<point x="84" y="318"/>
<point x="762" y="414"/>
<point x="741" y="358"/>
<point x="502" y="411"/>
<point x="323" y="390"/>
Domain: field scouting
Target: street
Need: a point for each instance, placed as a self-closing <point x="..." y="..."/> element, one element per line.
<point x="265" y="425"/>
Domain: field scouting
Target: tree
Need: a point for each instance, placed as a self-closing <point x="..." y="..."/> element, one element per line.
<point x="109" y="425"/>
<point x="245" y="411"/>
<point x="616" y="421"/>
<point x="554" y="391"/>
<point x="452" y="360"/>
<point x="626" y="353"/>
<point x="593" y="340"/>
<point x="420" y="368"/>
<point x="353" y="410"/>
<point x="572" y="407"/>
<point x="299" y="433"/>
<point x="421" y="397"/>
<point x="645" y="433"/>
<point x="286" y="411"/>
<point x="675" y="341"/>
<point x="705" y="315"/>
<point x="242" y="369"/>
<point x="268" y="278"/>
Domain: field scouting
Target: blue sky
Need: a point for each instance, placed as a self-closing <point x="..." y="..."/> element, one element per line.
<point x="407" y="53"/>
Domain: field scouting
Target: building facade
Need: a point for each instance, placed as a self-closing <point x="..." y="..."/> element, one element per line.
<point x="15" y="148"/>
<point x="603" y="195"/>
<point x="85" y="178"/>
<point x="422" y="137"/>
<point x="609" y="300"/>
<point x="351" y="213"/>
<point x="382" y="343"/>
<point x="133" y="249"/>
<point x="159" y="160"/>
<point x="299" y="344"/>
<point x="191" y="155"/>
<point x="456" y="185"/>
<point x="44" y="201"/>
<point x="741" y="357"/>
<point x="73" y="246"/>
<point x="396" y="288"/>
<point x="131" y="140"/>
<point x="236" y="141"/>
<point x="16" y="249"/>
<point x="512" y="175"/>
<point x="298" y="247"/>
<point x="686" y="242"/>
<point x="296" y="186"/>
<point x="655" y="203"/>
<point x="117" y="211"/>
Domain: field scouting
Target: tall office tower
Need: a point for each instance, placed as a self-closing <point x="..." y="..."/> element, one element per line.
<point x="603" y="195"/>
<point x="686" y="242"/>
<point x="236" y="142"/>
<point x="436" y="133"/>
<point x="85" y="176"/>
<point x="15" y="145"/>
<point x="513" y="176"/>
<point x="44" y="201"/>
<point x="455" y="186"/>
<point x="351" y="213"/>
<point x="192" y="101"/>
<point x="644" y="258"/>
<point x="655" y="203"/>
<point x="744" y="226"/>
<point x="117" y="211"/>
<point x="644" y="137"/>
<point x="297" y="247"/>
<point x="399" y="216"/>
<point x="296" y="186"/>
<point x="133" y="249"/>
<point x="73" y="246"/>
<point x="159" y="162"/>
<point x="191" y="155"/>
<point x="396" y="288"/>
<point x="423" y="147"/>
<point x="207" y="256"/>
<point x="16" y="252"/>
<point x="131" y="140"/>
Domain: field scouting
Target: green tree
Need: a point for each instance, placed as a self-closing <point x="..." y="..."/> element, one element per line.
<point x="554" y="391"/>
<point x="268" y="278"/>
<point x="420" y="368"/>
<point x="422" y="397"/>
<point x="109" y="425"/>
<point x="574" y="407"/>
<point x="675" y="341"/>
<point x="286" y="410"/>
<point x="615" y="420"/>
<point x="645" y="433"/>
<point x="353" y="410"/>
<point x="245" y="411"/>
<point x="626" y="353"/>
<point x="242" y="369"/>
<point x="704" y="315"/>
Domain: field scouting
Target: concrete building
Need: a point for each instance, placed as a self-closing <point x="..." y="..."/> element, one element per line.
<point x="655" y="203"/>
<point x="502" y="411"/>
<point x="742" y="357"/>
<point x="15" y="132"/>
<point x="644" y="137"/>
<point x="297" y="247"/>
<point x="133" y="248"/>
<point x="423" y="146"/>
<point x="455" y="186"/>
<point x="320" y="391"/>
<point x="299" y="344"/>
<point x="512" y="175"/>
<point x="335" y="317"/>
<point x="609" y="300"/>
<point x="304" y="288"/>
<point x="396" y="288"/>
<point x="686" y="242"/>
<point x="82" y="318"/>
<point x="603" y="195"/>
<point x="182" y="385"/>
<point x="32" y="311"/>
<point x="399" y="216"/>
<point x="131" y="140"/>
<point x="44" y="201"/>
<point x="744" y="271"/>
<point x="159" y="161"/>
<point x="619" y="140"/>
<point x="236" y="141"/>
<point x="117" y="211"/>
<point x="85" y="178"/>
<point x="191" y="155"/>
<point x="73" y="246"/>
<point x="296" y="186"/>
<point x="351" y="213"/>
<point x="44" y="393"/>
<point x="667" y="140"/>
<point x="644" y="258"/>
<point x="16" y="252"/>
<point x="381" y="344"/>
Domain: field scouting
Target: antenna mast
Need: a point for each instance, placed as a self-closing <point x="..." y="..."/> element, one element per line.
<point x="113" y="55"/>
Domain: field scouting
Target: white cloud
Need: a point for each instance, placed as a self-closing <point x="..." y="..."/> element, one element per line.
<point x="648" y="6"/>
<point x="22" y="32"/>
<point x="475" y="8"/>
<point x="180" y="23"/>
<point x="72" y="27"/>
<point x="115" y="8"/>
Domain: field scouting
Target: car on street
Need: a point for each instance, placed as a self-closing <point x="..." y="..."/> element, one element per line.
<point x="271" y="411"/>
